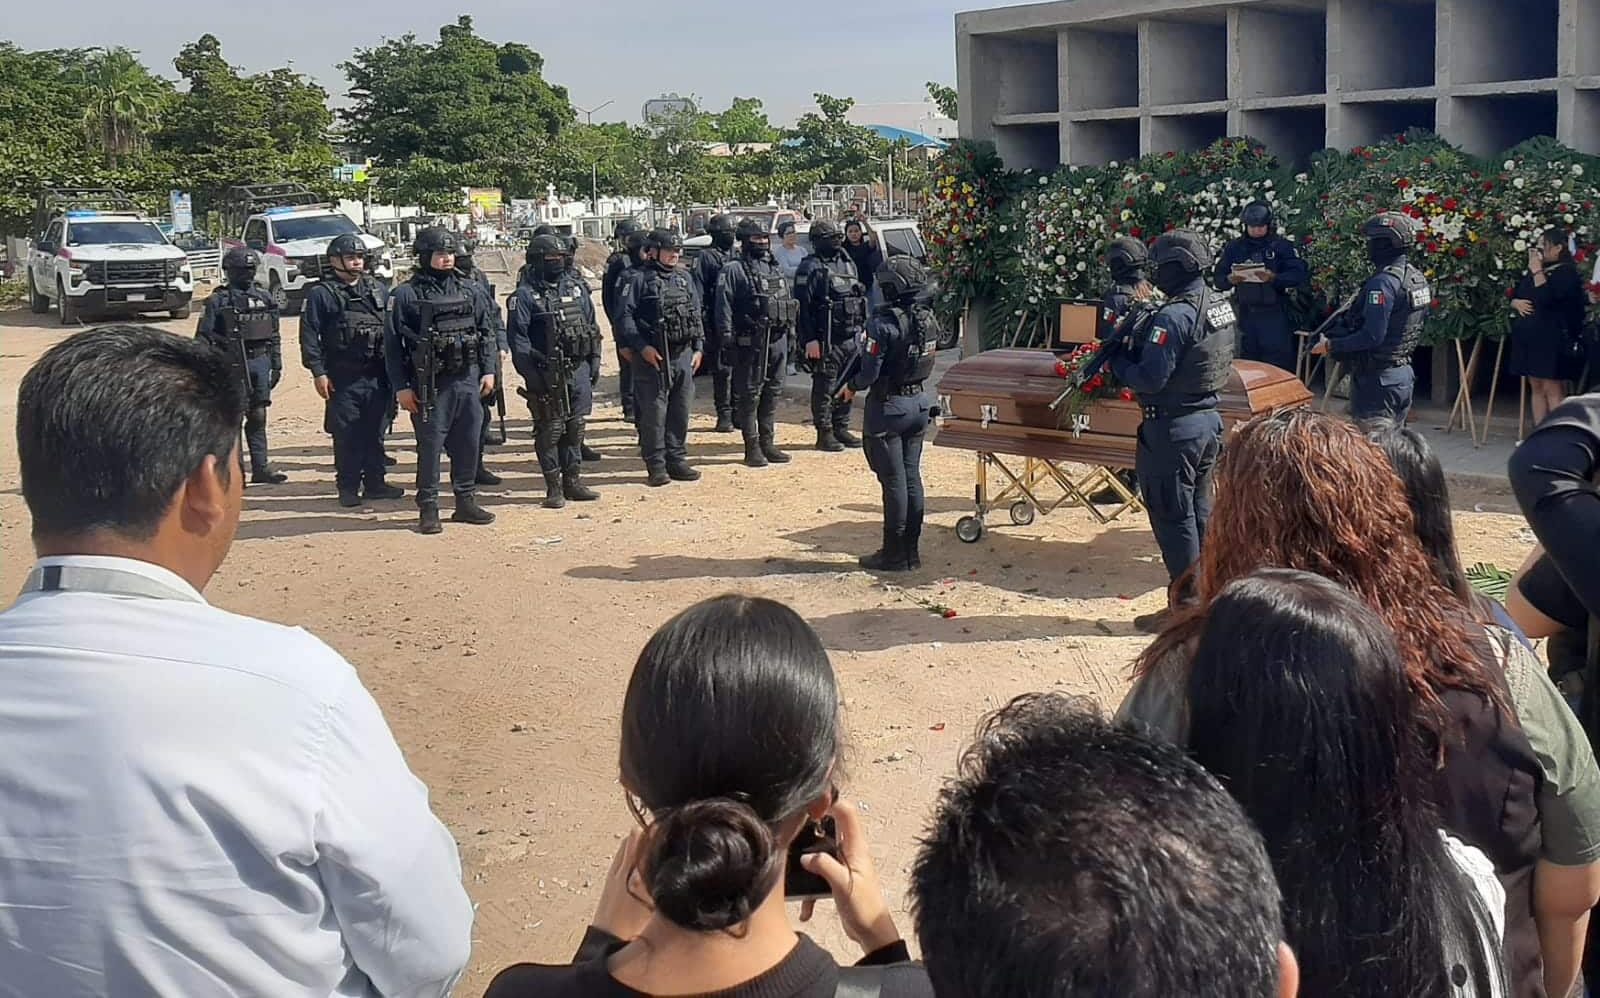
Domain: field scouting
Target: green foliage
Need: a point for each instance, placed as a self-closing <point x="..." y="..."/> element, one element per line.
<point x="825" y="142"/>
<point x="744" y="122"/>
<point x="124" y="101"/>
<point x="944" y="97"/>
<point x="1490" y="580"/>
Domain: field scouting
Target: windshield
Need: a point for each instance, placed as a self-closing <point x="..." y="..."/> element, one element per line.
<point x="285" y="230"/>
<point x="107" y="233"/>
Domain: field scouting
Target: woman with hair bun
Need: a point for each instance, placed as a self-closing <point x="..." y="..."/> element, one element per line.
<point x="730" y="746"/>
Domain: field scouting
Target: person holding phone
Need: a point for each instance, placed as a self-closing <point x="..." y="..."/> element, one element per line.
<point x="1547" y="331"/>
<point x="730" y="749"/>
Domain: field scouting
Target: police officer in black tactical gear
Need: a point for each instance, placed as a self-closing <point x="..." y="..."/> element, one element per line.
<point x="754" y="313"/>
<point x="659" y="318"/>
<point x="833" y="313"/>
<point x="1266" y="332"/>
<point x="241" y="320"/>
<point x="341" y="344"/>
<point x="1177" y="359"/>
<point x="896" y="361"/>
<point x="1128" y="259"/>
<point x="628" y="252"/>
<point x="1384" y="324"/>
<point x="473" y="276"/>
<point x="708" y="269"/>
<point x="439" y="348"/>
<point x="554" y="341"/>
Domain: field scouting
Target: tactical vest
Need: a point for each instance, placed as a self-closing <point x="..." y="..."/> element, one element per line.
<point x="1249" y="295"/>
<point x="772" y="303"/>
<point x="847" y="299"/>
<point x="1206" y="364"/>
<point x="361" y="323"/>
<point x="1405" y="320"/>
<point x="569" y="329"/>
<point x="454" y="333"/>
<point x="910" y="361"/>
<point x="248" y="316"/>
<point x="668" y="307"/>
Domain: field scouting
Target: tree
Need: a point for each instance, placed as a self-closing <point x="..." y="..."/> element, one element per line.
<point x="828" y="145"/>
<point x="677" y="168"/>
<point x="124" y="101"/>
<point x="610" y="157"/>
<point x="944" y="97"/>
<point x="464" y="111"/>
<point x="744" y="122"/>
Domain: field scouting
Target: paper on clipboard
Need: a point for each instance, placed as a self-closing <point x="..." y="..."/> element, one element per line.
<point x="1251" y="273"/>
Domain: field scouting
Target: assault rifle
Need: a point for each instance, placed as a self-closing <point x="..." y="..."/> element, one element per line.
<point x="1120" y="337"/>
<point x="425" y="361"/>
<point x="1335" y="318"/>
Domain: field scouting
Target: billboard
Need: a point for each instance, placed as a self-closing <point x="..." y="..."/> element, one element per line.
<point x="485" y="204"/>
<point x="182" y="206"/>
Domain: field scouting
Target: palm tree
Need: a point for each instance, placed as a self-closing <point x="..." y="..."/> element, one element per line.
<point x="123" y="101"/>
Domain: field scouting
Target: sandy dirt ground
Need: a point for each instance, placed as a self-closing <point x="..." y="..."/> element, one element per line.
<point x="500" y="654"/>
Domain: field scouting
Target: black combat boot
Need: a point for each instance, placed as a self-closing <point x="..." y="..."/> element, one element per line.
<point x="349" y="500"/>
<point x="487" y="477"/>
<point x="826" y="442"/>
<point x="890" y="558"/>
<point x="842" y="434"/>
<point x="494" y="438"/>
<point x="770" y="451"/>
<point x="468" y="511"/>
<point x="724" y="423"/>
<point x="589" y="453"/>
<point x="266" y="474"/>
<point x="389" y="460"/>
<point x="753" y="456"/>
<point x="553" y="497"/>
<point x="657" y="477"/>
<point x="573" y="488"/>
<point x="681" y="472"/>
<point x="383" y="490"/>
<point x="429" y="521"/>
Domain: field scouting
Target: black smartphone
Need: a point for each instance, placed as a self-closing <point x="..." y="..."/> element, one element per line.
<point x="798" y="882"/>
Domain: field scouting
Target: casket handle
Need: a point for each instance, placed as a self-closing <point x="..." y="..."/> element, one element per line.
<point x="987" y="414"/>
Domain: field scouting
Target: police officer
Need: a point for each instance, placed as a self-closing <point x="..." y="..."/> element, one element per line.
<point x="1176" y="360"/>
<point x="660" y="315"/>
<point x="341" y="344"/>
<point x="474" y="278"/>
<point x="437" y="321"/>
<point x="1384" y="324"/>
<point x="708" y="268"/>
<point x="241" y="319"/>
<point x="754" y="314"/>
<point x="896" y="361"/>
<point x="833" y="312"/>
<point x="628" y="252"/>
<point x="1128" y="259"/>
<point x="554" y="342"/>
<point x="1266" y="331"/>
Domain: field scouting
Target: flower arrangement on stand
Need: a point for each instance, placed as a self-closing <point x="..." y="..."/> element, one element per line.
<point x="971" y="199"/>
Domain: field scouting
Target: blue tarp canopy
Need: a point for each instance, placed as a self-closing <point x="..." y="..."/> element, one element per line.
<point x="915" y="139"/>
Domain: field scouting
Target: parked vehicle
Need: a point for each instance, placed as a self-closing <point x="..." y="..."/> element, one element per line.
<point x="291" y="228"/>
<point x="97" y="253"/>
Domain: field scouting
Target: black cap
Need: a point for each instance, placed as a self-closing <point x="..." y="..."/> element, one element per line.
<point x="749" y="228"/>
<point x="901" y="277"/>
<point x="720" y="223"/>
<point x="543" y="246"/>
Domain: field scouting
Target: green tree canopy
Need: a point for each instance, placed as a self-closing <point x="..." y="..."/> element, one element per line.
<point x="944" y="97"/>
<point x="745" y="122"/>
<point x="827" y="144"/>
<point x="124" y="101"/>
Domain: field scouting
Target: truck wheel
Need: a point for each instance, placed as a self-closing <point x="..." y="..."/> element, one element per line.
<point x="279" y="296"/>
<point x="65" y="306"/>
<point x="182" y="312"/>
<point x="38" y="304"/>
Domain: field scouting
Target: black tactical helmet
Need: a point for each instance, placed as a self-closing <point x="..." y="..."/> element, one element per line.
<point x="1184" y="247"/>
<point x="624" y="229"/>
<point x="901" y="277"/>
<point x="1256" y="213"/>
<point x="663" y="239"/>
<point x="637" y="240"/>
<point x="749" y="228"/>
<point x="434" y="239"/>
<point x="825" y="235"/>
<point x="572" y="245"/>
<point x="240" y="261"/>
<point x="544" y="229"/>
<point x="1126" y="256"/>
<point x="1390" y="230"/>
<point x="540" y="247"/>
<point x="347" y="244"/>
<point x="721" y="224"/>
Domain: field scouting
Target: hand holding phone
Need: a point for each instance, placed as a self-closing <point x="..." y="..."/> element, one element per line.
<point x="852" y="881"/>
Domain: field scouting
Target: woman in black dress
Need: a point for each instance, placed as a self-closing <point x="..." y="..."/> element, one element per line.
<point x="1548" y="328"/>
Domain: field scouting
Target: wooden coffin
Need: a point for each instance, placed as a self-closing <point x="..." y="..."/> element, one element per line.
<point x="999" y="402"/>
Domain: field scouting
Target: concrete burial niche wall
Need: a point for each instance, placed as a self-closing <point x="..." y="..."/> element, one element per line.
<point x="1281" y="54"/>
<point x="1383" y="46"/>
<point x="1102" y="69"/>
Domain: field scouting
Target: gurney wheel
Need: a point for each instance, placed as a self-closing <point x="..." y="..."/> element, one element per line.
<point x="1022" y="512"/>
<point x="969" y="529"/>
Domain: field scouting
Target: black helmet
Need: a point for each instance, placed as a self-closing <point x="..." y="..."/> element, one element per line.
<point x="1390" y="230"/>
<point x="636" y="241"/>
<point x="240" y="263"/>
<point x="749" y="228"/>
<point x="663" y="239"/>
<point x="1183" y="247"/>
<point x="825" y="236"/>
<point x="901" y="277"/>
<point x="572" y="245"/>
<point x="1256" y="213"/>
<point x="544" y="229"/>
<point x="347" y="244"/>
<point x="1127" y="256"/>
<point x="721" y="223"/>
<point x="434" y="239"/>
<point x="542" y="246"/>
<point x="624" y="229"/>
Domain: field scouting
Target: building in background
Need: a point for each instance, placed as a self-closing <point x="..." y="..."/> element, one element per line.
<point x="921" y="117"/>
<point x="1090" y="81"/>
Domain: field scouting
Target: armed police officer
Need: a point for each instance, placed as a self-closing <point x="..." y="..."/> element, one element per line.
<point x="895" y="362"/>
<point x="708" y="269"/>
<point x="1383" y="325"/>
<point x="833" y="314"/>
<point x="1176" y="360"/>
<point x="241" y="320"/>
<point x="554" y="342"/>
<point x="341" y="344"/>
<point x="478" y="282"/>
<point x="754" y="313"/>
<point x="628" y="252"/>
<point x="439" y="349"/>
<point x="1259" y="267"/>
<point x="1128" y="259"/>
<point x="660" y="316"/>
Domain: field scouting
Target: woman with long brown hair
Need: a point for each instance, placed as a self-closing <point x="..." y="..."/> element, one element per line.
<point x="1308" y="491"/>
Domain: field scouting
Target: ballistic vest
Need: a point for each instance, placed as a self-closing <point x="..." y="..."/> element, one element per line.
<point x="1206" y="363"/>
<point x="667" y="308"/>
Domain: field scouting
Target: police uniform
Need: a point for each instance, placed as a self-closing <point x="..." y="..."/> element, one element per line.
<point x="554" y="343"/>
<point x="833" y="314"/>
<point x="1385" y="325"/>
<point x="622" y="258"/>
<point x="1176" y="360"/>
<point x="478" y="282"/>
<point x="660" y="307"/>
<point x="341" y="338"/>
<point x="896" y="361"/>
<point x="708" y="271"/>
<point x="1127" y="259"/>
<point x="242" y="321"/>
<point x="1266" y="333"/>
<point x="754" y="314"/>
<point x="460" y="344"/>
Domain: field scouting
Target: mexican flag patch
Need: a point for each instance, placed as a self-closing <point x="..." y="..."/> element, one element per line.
<point x="1375" y="298"/>
<point x="872" y="347"/>
<point x="1158" y="336"/>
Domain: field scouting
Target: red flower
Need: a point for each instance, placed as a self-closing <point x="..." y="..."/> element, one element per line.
<point x="1488" y="185"/>
<point x="1402" y="183"/>
<point x="1126" y="395"/>
<point x="1431" y="247"/>
<point x="1511" y="292"/>
<point x="1169" y="155"/>
<point x="1061" y="369"/>
<point x="1094" y="383"/>
<point x="1136" y="232"/>
<point x="1460" y="251"/>
<point x="1169" y="227"/>
<point x="1129" y="203"/>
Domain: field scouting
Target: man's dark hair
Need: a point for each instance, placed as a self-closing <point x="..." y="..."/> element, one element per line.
<point x="111" y="421"/>
<point x="1071" y="857"/>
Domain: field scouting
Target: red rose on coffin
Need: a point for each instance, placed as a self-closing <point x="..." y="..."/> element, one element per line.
<point x="1061" y="369"/>
<point x="1126" y="395"/>
<point x="1093" y="384"/>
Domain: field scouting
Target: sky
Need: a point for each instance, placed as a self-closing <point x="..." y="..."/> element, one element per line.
<point x="624" y="51"/>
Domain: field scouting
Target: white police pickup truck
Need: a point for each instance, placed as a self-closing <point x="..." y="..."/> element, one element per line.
<point x="290" y="228"/>
<point x="96" y="254"/>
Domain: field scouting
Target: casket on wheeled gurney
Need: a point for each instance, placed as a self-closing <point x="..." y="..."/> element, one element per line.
<point x="998" y="405"/>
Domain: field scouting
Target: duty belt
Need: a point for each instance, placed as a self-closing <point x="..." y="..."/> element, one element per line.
<point x="913" y="388"/>
<point x="1173" y="411"/>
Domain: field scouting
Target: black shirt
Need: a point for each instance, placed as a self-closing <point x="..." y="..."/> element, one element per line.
<point x="1554" y="475"/>
<point x="807" y="972"/>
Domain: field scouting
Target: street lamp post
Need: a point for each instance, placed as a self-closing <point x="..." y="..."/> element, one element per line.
<point x="594" y="168"/>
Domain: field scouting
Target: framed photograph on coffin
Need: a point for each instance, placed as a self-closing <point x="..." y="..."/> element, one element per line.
<point x="1081" y="322"/>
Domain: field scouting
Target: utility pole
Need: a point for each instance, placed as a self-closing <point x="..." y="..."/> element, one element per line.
<point x="594" y="168"/>
<point x="588" y="113"/>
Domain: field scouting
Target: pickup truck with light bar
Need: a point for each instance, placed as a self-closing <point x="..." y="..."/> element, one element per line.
<point x="291" y="228"/>
<point x="96" y="254"/>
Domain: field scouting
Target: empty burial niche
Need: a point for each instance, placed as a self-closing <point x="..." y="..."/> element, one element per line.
<point x="1492" y="41"/>
<point x="1096" y="143"/>
<point x="1487" y="126"/>
<point x="1281" y="54"/>
<point x="1386" y="46"/>
<point x="1186" y="132"/>
<point x="1588" y="39"/>
<point x="1365" y="124"/>
<point x="1586" y="124"/>
<point x="1102" y="69"/>
<point x="1291" y="133"/>
<point x="1025" y="147"/>
<point x="1188" y="62"/>
<point x="1025" y="70"/>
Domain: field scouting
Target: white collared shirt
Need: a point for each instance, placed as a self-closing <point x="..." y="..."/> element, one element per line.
<point x="196" y="803"/>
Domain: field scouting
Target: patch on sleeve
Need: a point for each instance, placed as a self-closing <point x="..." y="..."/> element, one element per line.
<point x="1158" y="336"/>
<point x="873" y="348"/>
<point x="1376" y="298"/>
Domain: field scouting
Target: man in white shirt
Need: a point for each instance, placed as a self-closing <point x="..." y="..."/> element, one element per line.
<point x="192" y="802"/>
